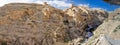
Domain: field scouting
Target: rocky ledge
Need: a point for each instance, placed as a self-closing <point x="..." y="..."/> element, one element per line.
<point x="42" y="24"/>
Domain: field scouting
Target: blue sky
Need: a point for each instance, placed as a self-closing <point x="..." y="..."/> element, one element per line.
<point x="62" y="4"/>
<point x="97" y="4"/>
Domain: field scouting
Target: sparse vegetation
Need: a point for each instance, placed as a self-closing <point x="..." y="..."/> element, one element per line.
<point x="116" y="29"/>
<point x="30" y="20"/>
<point x="3" y="43"/>
<point x="66" y="39"/>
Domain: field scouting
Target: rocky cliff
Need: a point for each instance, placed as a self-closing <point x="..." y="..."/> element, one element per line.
<point x="38" y="24"/>
<point x="107" y="33"/>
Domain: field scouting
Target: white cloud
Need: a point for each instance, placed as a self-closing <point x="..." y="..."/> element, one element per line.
<point x="3" y="2"/>
<point x="98" y="8"/>
<point x="85" y="5"/>
<point x="56" y="3"/>
<point x="93" y="8"/>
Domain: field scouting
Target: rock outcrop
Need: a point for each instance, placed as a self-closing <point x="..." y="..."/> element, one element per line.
<point x="86" y="20"/>
<point x="31" y="24"/>
<point x="108" y="32"/>
<point x="115" y="15"/>
<point x="99" y="16"/>
<point x="37" y="24"/>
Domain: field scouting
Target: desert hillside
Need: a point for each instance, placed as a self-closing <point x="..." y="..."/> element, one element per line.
<point x="43" y="24"/>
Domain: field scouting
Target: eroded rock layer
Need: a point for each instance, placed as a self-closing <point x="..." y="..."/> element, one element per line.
<point x="37" y="24"/>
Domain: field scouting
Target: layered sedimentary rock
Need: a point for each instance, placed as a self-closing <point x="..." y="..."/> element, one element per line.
<point x="99" y="16"/>
<point x="37" y="24"/>
<point x="115" y="15"/>
<point x="86" y="20"/>
<point x="28" y="24"/>
<point x="108" y="32"/>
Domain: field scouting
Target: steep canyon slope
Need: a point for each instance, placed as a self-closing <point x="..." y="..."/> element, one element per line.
<point x="42" y="24"/>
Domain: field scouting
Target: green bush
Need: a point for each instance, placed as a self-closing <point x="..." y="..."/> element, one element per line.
<point x="3" y="43"/>
<point x="117" y="28"/>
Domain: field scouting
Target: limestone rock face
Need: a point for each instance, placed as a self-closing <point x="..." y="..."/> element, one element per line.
<point x="115" y="15"/>
<point x="108" y="32"/>
<point x="99" y="16"/>
<point x="31" y="24"/>
<point x="85" y="16"/>
<point x="37" y="24"/>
